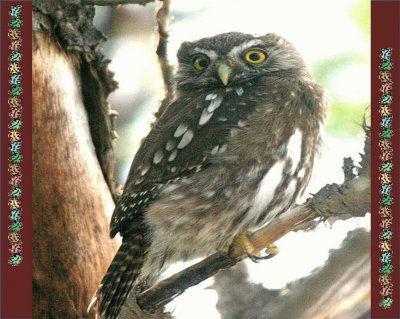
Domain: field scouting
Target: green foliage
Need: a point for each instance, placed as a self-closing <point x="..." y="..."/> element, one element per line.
<point x="360" y="13"/>
<point x="325" y="69"/>
<point x="345" y="118"/>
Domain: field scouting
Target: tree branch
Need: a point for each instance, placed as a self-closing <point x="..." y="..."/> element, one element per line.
<point x="116" y="2"/>
<point x="162" y="53"/>
<point x="350" y="199"/>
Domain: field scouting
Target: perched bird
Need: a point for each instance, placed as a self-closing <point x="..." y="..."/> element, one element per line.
<point x="234" y="149"/>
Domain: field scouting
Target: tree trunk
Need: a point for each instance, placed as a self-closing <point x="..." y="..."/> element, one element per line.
<point x="70" y="195"/>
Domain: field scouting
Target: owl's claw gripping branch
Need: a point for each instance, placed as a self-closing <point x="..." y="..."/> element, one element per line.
<point x="244" y="242"/>
<point x="271" y="250"/>
<point x="223" y="249"/>
<point x="253" y="253"/>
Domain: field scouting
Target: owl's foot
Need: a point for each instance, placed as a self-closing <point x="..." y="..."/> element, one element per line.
<point x="224" y="249"/>
<point x="253" y="253"/>
<point x="245" y="243"/>
<point x="272" y="249"/>
<point x="247" y="246"/>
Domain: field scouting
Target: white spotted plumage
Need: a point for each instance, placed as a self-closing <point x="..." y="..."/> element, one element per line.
<point x="215" y="103"/>
<point x="267" y="188"/>
<point x="181" y="129"/>
<point x="215" y="150"/>
<point x="211" y="96"/>
<point x="186" y="139"/>
<point x="173" y="155"/>
<point x="205" y="116"/>
<point x="239" y="91"/>
<point x="294" y="149"/>
<point x="158" y="156"/>
<point x="170" y="145"/>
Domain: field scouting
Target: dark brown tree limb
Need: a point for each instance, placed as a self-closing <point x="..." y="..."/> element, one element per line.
<point x="350" y="199"/>
<point x="162" y="53"/>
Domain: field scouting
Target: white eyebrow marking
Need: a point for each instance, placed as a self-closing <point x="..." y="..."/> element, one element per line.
<point x="210" y="53"/>
<point x="239" y="49"/>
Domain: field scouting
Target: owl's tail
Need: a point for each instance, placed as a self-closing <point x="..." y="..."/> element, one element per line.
<point x="120" y="277"/>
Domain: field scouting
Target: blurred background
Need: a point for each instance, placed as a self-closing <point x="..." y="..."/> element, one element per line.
<point x="334" y="39"/>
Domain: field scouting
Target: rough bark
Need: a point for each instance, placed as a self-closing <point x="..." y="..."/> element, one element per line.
<point x="71" y="25"/>
<point x="162" y="53"/>
<point x="72" y="248"/>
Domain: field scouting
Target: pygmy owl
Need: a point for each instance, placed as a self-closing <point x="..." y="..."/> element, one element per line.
<point x="232" y="151"/>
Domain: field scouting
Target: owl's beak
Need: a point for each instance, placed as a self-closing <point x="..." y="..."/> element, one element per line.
<point x="224" y="72"/>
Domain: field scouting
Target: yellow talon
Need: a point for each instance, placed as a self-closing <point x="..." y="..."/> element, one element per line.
<point x="247" y="246"/>
<point x="245" y="243"/>
<point x="224" y="249"/>
<point x="272" y="249"/>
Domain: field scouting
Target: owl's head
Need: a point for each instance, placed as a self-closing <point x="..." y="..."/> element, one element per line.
<point x="232" y="58"/>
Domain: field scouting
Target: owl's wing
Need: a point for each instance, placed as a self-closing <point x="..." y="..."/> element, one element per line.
<point x="180" y="144"/>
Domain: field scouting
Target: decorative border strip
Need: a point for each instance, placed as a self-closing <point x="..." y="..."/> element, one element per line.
<point x="385" y="179"/>
<point x="14" y="135"/>
<point x="385" y="160"/>
<point x="16" y="160"/>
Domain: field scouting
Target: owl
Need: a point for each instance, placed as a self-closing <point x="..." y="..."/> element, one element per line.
<point x="234" y="149"/>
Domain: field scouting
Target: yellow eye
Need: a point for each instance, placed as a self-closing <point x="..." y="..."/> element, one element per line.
<point x="255" y="56"/>
<point x="200" y="62"/>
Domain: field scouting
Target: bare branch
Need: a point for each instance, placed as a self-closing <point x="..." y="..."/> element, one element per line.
<point x="162" y="53"/>
<point x="168" y="289"/>
<point x="350" y="199"/>
<point x="116" y="2"/>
